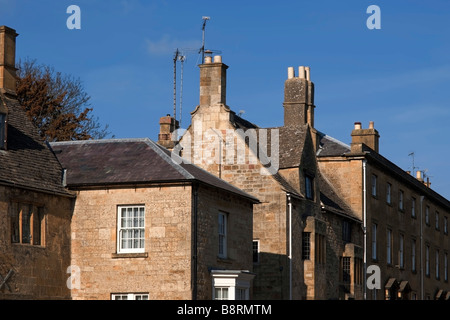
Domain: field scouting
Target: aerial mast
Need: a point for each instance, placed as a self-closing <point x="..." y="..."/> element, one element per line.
<point x="182" y="58"/>
<point x="202" y="50"/>
<point x="175" y="58"/>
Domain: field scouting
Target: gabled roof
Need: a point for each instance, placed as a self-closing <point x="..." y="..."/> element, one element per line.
<point x="28" y="162"/>
<point x="129" y="161"/>
<point x="332" y="202"/>
<point x="331" y="147"/>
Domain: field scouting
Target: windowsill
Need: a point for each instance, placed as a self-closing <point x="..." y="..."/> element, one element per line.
<point x="129" y="255"/>
<point x="28" y="245"/>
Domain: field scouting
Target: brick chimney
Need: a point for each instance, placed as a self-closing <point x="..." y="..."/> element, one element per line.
<point x="8" y="60"/>
<point x="213" y="81"/>
<point x="298" y="98"/>
<point x="364" y="137"/>
<point x="167" y="125"/>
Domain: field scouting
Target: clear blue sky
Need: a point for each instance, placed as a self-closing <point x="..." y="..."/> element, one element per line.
<point x="397" y="76"/>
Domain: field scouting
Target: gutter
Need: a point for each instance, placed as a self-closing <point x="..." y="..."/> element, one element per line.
<point x="35" y="189"/>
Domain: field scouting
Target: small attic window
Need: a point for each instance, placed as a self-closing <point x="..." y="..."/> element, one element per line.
<point x="2" y="131"/>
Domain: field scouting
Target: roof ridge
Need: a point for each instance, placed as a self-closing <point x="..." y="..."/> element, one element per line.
<point x="168" y="159"/>
<point x="56" y="143"/>
<point x="324" y="135"/>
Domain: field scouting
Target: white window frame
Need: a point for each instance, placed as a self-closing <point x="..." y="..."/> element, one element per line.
<point x="236" y="282"/>
<point x="120" y="230"/>
<point x="222" y="234"/>
<point x="224" y="293"/>
<point x="130" y="296"/>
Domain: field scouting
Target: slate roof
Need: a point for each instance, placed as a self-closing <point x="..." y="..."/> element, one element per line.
<point x="28" y="161"/>
<point x="129" y="161"/>
<point x="330" y="146"/>
<point x="292" y="143"/>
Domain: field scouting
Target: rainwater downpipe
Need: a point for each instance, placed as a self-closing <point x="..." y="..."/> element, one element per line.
<point x="421" y="247"/>
<point x="195" y="256"/>
<point x="290" y="244"/>
<point x="365" y="228"/>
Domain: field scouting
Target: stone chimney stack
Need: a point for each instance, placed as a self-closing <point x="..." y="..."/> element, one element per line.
<point x="368" y="137"/>
<point x="8" y="60"/>
<point x="213" y="81"/>
<point x="167" y="125"/>
<point x="299" y="98"/>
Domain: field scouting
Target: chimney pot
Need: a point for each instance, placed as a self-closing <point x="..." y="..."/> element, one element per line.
<point x="217" y="59"/>
<point x="208" y="59"/>
<point x="307" y="71"/>
<point x="301" y="72"/>
<point x="291" y="73"/>
<point x="357" y="125"/>
<point x="419" y="175"/>
<point x="371" y="125"/>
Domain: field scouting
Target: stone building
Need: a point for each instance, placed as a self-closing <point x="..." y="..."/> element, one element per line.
<point x="147" y="227"/>
<point x="406" y="222"/>
<point x="298" y="206"/>
<point x="35" y="208"/>
<point x="328" y="210"/>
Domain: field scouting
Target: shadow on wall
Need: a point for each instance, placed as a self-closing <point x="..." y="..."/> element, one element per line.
<point x="272" y="278"/>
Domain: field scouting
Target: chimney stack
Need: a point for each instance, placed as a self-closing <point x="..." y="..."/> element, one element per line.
<point x="299" y="98"/>
<point x="213" y="81"/>
<point x="167" y="125"/>
<point x="367" y="137"/>
<point x="8" y="60"/>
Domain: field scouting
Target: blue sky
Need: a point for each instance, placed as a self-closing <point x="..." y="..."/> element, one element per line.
<point x="397" y="76"/>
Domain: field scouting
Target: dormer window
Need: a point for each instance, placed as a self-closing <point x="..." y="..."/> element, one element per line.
<point x="2" y="131"/>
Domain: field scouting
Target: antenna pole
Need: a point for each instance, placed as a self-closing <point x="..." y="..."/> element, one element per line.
<point x="182" y="58"/>
<point x="175" y="83"/>
<point x="203" y="38"/>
